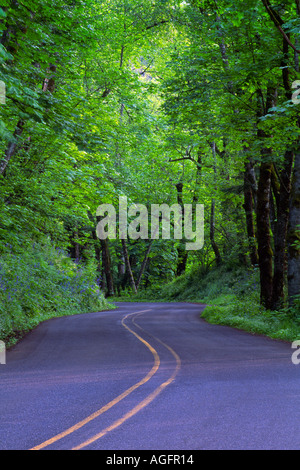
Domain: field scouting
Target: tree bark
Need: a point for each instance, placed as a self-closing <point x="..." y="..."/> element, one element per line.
<point x="293" y="237"/>
<point x="76" y="245"/>
<point x="11" y="147"/>
<point x="182" y="252"/>
<point x="264" y="240"/>
<point x="48" y="85"/>
<point x="265" y="253"/>
<point x="249" y="209"/>
<point x="9" y="41"/>
<point x="96" y="243"/>
<point x="106" y="260"/>
<point x="128" y="266"/>
<point x="143" y="265"/>
<point x="213" y="217"/>
<point x="212" y="234"/>
<point x="280" y="234"/>
<point x="294" y="234"/>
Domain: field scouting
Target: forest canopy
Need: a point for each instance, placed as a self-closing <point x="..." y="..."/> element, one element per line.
<point x="161" y="102"/>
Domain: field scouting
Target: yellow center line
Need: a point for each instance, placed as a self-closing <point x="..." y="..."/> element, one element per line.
<point x="143" y="403"/>
<point x="116" y="400"/>
<point x="177" y="358"/>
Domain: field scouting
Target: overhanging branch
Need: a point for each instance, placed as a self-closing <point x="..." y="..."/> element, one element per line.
<point x="278" y="23"/>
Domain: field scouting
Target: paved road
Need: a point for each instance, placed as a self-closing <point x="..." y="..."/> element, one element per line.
<point x="148" y="377"/>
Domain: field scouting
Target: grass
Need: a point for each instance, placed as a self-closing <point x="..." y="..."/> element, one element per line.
<point x="232" y="298"/>
<point x="249" y="316"/>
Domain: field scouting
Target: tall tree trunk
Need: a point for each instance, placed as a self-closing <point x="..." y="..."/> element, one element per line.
<point x="49" y="82"/>
<point x="197" y="180"/>
<point x="11" y="147"/>
<point x="264" y="240"/>
<point x="212" y="234"/>
<point x="182" y="252"/>
<point x="48" y="85"/>
<point x="213" y="216"/>
<point x="265" y="253"/>
<point x="76" y="245"/>
<point x="128" y="266"/>
<point x="9" y="41"/>
<point x="107" y="268"/>
<point x="294" y="217"/>
<point x="96" y="243"/>
<point x="294" y="234"/>
<point x="249" y="209"/>
<point x="280" y="234"/>
<point x="143" y="265"/>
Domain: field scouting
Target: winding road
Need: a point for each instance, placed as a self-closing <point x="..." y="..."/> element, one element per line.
<point x="148" y="376"/>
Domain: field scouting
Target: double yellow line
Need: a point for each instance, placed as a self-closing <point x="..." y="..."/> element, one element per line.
<point x="123" y="395"/>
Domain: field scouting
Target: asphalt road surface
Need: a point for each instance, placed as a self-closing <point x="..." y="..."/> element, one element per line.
<point x="148" y="377"/>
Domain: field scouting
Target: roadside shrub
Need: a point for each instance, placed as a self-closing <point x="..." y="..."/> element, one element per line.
<point x="43" y="282"/>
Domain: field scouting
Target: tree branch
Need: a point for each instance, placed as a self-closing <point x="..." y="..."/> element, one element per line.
<point x="278" y="23"/>
<point x="180" y="159"/>
<point x="157" y="24"/>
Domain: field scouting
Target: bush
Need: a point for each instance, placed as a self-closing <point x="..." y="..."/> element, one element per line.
<point x="233" y="297"/>
<point x="199" y="286"/>
<point x="43" y="282"/>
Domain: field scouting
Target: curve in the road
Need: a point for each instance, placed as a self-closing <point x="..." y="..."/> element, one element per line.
<point x="142" y="404"/>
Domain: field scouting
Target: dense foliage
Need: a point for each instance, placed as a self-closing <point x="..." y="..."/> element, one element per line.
<point x="159" y="101"/>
